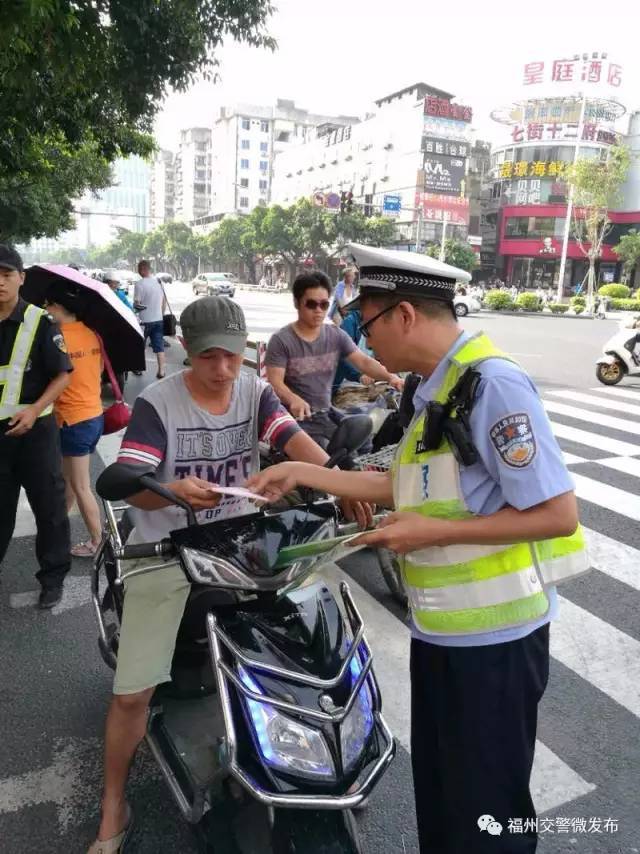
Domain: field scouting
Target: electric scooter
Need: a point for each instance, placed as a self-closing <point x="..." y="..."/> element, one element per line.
<point x="617" y="360"/>
<point x="270" y="731"/>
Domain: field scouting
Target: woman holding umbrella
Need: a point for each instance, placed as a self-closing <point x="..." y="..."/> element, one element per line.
<point x="78" y="410"/>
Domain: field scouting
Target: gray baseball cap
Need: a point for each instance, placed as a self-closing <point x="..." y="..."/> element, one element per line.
<point x="213" y="322"/>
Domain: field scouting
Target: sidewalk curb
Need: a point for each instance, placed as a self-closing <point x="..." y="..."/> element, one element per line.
<point x="610" y="315"/>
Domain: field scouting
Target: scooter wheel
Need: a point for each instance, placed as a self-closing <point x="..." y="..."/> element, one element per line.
<point x="610" y="374"/>
<point x="315" y="832"/>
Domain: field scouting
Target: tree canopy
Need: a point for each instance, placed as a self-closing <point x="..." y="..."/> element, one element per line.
<point x="628" y="251"/>
<point x="456" y="252"/>
<point x="82" y="81"/>
<point x="292" y="235"/>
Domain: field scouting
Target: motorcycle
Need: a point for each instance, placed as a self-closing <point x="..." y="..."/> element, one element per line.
<point x="272" y="720"/>
<point x="617" y="359"/>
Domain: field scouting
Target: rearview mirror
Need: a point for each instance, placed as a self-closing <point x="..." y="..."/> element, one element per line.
<point x="350" y="435"/>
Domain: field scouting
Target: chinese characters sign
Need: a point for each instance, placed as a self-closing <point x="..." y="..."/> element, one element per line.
<point x="585" y="69"/>
<point x="591" y="132"/>
<point x="443" y="108"/>
<point x="534" y="169"/>
<point x="437" y="208"/>
<point x="448" y="147"/>
<point x="443" y="175"/>
<point x="529" y="191"/>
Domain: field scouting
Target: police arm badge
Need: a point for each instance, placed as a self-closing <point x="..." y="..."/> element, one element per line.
<point x="513" y="439"/>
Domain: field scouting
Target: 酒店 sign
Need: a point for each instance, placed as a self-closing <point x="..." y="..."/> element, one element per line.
<point x="443" y="108"/>
<point x="595" y="68"/>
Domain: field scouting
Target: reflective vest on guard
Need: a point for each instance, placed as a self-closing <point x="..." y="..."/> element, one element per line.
<point x="12" y="375"/>
<point x="465" y="589"/>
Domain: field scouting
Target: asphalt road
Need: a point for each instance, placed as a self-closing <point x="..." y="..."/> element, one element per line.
<point x="56" y="687"/>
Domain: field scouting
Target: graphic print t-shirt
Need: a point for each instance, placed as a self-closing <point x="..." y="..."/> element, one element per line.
<point x="310" y="365"/>
<point x="170" y="432"/>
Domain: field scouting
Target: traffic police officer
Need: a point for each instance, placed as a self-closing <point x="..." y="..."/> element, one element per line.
<point x="34" y="369"/>
<point x="487" y="523"/>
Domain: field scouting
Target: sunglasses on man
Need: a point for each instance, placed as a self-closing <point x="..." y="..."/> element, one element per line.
<point x="313" y="304"/>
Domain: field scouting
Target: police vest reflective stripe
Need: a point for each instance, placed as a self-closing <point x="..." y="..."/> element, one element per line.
<point x="465" y="589"/>
<point x="12" y="375"/>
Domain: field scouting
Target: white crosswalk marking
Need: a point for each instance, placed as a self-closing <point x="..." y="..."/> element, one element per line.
<point x="594" y="440"/>
<point x="615" y="559"/>
<point x="598" y="418"/>
<point x="616" y="391"/>
<point x="618" y="500"/>
<point x="593" y="400"/>
<point x="626" y="465"/>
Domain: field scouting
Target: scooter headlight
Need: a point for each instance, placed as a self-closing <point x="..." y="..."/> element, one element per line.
<point x="286" y="744"/>
<point x="357" y="725"/>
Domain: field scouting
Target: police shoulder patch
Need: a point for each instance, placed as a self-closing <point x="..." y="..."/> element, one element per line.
<point x="513" y="439"/>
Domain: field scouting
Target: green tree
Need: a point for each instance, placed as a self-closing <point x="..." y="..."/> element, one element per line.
<point x="131" y="246"/>
<point x="87" y="78"/>
<point x="240" y="239"/>
<point x="628" y="251"/>
<point x="456" y="252"/>
<point x="596" y="188"/>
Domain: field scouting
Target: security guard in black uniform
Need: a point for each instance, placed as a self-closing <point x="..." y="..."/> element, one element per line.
<point x="34" y="370"/>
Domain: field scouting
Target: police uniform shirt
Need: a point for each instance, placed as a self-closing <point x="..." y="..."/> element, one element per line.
<point x="521" y="464"/>
<point x="48" y="356"/>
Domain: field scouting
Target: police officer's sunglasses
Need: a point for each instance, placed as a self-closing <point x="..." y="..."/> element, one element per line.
<point x="365" y="328"/>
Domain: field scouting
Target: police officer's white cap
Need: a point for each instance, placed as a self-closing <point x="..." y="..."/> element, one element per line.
<point x="410" y="273"/>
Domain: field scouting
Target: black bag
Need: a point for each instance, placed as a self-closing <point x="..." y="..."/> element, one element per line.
<point x="168" y="320"/>
<point x="169" y="325"/>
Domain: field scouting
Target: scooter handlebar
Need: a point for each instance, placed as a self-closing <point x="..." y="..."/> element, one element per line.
<point x="140" y="550"/>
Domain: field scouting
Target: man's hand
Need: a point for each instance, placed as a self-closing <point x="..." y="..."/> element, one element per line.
<point x="396" y="382"/>
<point x="195" y="492"/>
<point x="23" y="421"/>
<point x="357" y="511"/>
<point x="275" y="481"/>
<point x="299" y="408"/>
<point x="405" y="532"/>
<point x="366" y="380"/>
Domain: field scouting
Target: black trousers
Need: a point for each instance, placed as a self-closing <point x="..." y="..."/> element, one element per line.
<point x="474" y="713"/>
<point x="34" y="462"/>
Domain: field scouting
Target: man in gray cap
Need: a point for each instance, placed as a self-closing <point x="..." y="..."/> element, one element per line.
<point x="196" y="427"/>
<point x="486" y="523"/>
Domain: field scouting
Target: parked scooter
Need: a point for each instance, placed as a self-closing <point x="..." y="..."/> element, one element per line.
<point x="271" y="727"/>
<point x="617" y="359"/>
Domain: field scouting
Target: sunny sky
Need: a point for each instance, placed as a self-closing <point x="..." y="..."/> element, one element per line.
<point x="338" y="56"/>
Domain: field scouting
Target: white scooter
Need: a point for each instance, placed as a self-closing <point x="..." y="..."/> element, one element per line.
<point x="617" y="359"/>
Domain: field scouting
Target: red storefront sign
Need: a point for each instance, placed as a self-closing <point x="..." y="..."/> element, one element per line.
<point x="584" y="69"/>
<point x="437" y="208"/>
<point x="443" y="108"/>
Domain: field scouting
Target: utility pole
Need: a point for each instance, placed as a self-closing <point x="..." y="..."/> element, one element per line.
<point x="442" y="240"/>
<point x="418" y="228"/>
<point x="567" y="221"/>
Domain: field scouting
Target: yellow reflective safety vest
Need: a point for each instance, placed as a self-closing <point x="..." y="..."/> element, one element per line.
<point x="12" y="375"/>
<point x="467" y="589"/>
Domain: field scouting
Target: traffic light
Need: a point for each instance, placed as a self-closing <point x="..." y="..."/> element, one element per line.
<point x="343" y="202"/>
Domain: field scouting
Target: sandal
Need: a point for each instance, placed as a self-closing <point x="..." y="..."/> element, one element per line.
<point x="86" y="549"/>
<point x="160" y="376"/>
<point x="116" y="844"/>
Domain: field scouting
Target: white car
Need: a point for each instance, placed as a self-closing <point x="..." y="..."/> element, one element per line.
<point x="462" y="305"/>
<point x="213" y="284"/>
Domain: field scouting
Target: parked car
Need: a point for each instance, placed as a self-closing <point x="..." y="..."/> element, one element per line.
<point x="462" y="305"/>
<point x="213" y="284"/>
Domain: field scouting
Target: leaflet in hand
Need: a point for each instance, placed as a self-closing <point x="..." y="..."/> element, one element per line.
<point x="237" y="492"/>
<point x="333" y="550"/>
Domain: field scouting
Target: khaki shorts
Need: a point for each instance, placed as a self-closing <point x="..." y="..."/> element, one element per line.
<point x="153" y="607"/>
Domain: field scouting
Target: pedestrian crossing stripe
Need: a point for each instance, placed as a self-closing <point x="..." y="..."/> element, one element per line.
<point x="591" y="417"/>
<point x="616" y="391"/>
<point x="593" y="400"/>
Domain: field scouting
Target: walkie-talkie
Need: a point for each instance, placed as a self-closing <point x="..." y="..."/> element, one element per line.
<point x="450" y="421"/>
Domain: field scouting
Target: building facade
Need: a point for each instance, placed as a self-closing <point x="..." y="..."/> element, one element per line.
<point x="525" y="193"/>
<point x="246" y="138"/>
<point x="162" y="191"/>
<point x="192" y="175"/>
<point x="408" y="159"/>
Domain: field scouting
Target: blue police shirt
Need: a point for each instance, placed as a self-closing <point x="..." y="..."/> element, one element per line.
<point x="496" y="480"/>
